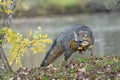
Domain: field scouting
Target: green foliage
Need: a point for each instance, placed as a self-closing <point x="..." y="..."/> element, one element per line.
<point x="116" y="67"/>
<point x="90" y="67"/>
<point x="100" y="63"/>
<point x="4" y="75"/>
<point x="35" y="41"/>
<point x="1" y="33"/>
<point x="110" y="62"/>
<point x="45" y="77"/>
<point x="82" y="60"/>
<point x="64" y="3"/>
<point x="44" y="7"/>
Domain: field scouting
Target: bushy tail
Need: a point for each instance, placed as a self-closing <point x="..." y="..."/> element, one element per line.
<point x="54" y="52"/>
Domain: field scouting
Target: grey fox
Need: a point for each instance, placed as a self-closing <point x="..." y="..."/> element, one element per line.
<point x="76" y="38"/>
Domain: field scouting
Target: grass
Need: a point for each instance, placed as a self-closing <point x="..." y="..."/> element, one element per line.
<point x="64" y="3"/>
<point x="42" y="7"/>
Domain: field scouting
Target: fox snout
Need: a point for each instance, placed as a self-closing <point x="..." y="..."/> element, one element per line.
<point x="83" y="45"/>
<point x="79" y="45"/>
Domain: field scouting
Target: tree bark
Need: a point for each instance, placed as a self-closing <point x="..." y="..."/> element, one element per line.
<point x="3" y="57"/>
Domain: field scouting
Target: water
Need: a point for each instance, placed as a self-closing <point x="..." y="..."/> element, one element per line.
<point x="106" y="29"/>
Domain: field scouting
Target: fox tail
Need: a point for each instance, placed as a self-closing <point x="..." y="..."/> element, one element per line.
<point x="54" y="52"/>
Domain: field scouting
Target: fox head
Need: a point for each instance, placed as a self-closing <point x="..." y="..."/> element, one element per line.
<point x="81" y="40"/>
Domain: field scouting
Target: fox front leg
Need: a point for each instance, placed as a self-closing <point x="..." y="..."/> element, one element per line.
<point x="82" y="53"/>
<point x="91" y="50"/>
<point x="67" y="55"/>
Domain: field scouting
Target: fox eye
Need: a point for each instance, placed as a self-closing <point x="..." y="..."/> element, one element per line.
<point x="83" y="34"/>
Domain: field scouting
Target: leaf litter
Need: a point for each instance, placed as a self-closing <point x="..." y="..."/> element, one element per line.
<point x="91" y="68"/>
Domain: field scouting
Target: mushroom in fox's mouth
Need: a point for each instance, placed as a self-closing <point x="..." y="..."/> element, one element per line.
<point x="83" y="45"/>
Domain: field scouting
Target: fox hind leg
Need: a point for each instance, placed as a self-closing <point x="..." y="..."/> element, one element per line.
<point x="43" y="63"/>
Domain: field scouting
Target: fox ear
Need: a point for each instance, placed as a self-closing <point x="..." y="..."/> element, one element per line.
<point x="76" y="36"/>
<point x="72" y="44"/>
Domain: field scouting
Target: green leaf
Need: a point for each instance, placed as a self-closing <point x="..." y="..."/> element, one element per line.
<point x="45" y="77"/>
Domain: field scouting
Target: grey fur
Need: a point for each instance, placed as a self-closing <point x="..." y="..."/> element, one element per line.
<point x="62" y="43"/>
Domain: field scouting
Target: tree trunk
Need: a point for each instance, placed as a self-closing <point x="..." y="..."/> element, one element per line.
<point x="4" y="62"/>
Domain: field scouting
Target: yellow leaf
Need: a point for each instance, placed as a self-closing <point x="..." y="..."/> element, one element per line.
<point x="30" y="34"/>
<point x="21" y="45"/>
<point x="9" y="2"/>
<point x="6" y="3"/>
<point x="43" y="36"/>
<point x="49" y="41"/>
<point x="3" y="3"/>
<point x="8" y="11"/>
<point x="10" y="62"/>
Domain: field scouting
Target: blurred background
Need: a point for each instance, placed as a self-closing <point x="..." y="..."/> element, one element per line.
<point x="103" y="16"/>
